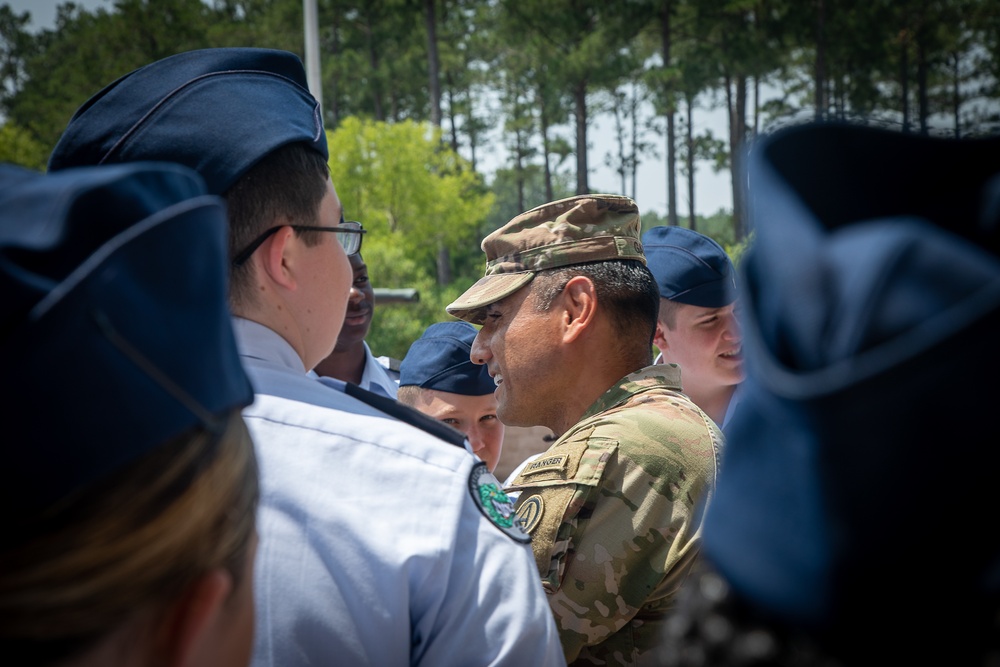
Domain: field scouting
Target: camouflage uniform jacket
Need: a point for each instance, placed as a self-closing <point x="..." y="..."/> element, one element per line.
<point x="614" y="510"/>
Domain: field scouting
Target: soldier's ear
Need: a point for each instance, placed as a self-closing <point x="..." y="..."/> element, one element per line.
<point x="578" y="301"/>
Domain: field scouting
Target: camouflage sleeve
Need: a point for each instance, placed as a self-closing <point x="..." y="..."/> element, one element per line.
<point x="614" y="519"/>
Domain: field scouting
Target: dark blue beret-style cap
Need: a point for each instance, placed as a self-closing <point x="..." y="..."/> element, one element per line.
<point x="218" y="111"/>
<point x="440" y="360"/>
<point x="115" y="329"/>
<point x="689" y="267"/>
<point x="865" y="436"/>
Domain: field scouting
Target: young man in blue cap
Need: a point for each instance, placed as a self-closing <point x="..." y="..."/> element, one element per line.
<point x="697" y="327"/>
<point x="438" y="378"/>
<point x="350" y="570"/>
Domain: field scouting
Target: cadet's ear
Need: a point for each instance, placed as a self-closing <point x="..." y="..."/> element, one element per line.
<point x="186" y="625"/>
<point x="579" y="301"/>
<point x="659" y="339"/>
<point x="275" y="257"/>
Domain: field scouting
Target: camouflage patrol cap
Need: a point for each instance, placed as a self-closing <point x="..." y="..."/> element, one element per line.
<point x="576" y="230"/>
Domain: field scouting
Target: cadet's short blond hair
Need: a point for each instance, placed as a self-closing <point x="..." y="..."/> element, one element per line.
<point x="133" y="543"/>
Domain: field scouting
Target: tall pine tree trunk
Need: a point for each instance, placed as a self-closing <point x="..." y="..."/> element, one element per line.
<point x="580" y="104"/>
<point x="737" y="145"/>
<point x="923" y="105"/>
<point x="373" y="63"/>
<point x="443" y="265"/>
<point x="634" y="163"/>
<point x="452" y="121"/>
<point x="956" y="95"/>
<point x="334" y="108"/>
<point x="904" y="82"/>
<point x="543" y="120"/>
<point x="666" y="42"/>
<point x="433" y="62"/>
<point x="819" y="74"/>
<point x="692" y="220"/>
<point x="519" y="168"/>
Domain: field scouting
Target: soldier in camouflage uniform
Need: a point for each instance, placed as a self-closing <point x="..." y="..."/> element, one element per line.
<point x="568" y="310"/>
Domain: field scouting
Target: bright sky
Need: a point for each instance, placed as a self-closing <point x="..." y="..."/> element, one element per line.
<point x="712" y="191"/>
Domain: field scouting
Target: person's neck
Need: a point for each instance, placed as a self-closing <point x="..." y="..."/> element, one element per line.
<point x="713" y="401"/>
<point x="277" y="321"/>
<point x="591" y="380"/>
<point x="347" y="364"/>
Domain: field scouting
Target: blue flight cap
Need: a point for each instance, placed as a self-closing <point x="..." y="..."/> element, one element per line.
<point x="218" y="111"/>
<point x="866" y="434"/>
<point x="115" y="328"/>
<point x="440" y="360"/>
<point x="689" y="267"/>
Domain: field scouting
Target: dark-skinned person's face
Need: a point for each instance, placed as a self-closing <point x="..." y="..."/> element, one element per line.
<point x="360" y="306"/>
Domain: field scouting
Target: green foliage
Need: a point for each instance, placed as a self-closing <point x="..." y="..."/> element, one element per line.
<point x="532" y="183"/>
<point x="87" y="51"/>
<point x="396" y="326"/>
<point x="407" y="187"/>
<point x="16" y="46"/>
<point x="535" y="66"/>
<point x="529" y="69"/>
<point x="718" y="226"/>
<point x="17" y="146"/>
<point x="737" y="250"/>
<point x="415" y="197"/>
<point x="375" y="59"/>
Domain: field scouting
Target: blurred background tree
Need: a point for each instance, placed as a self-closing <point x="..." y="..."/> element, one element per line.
<point x="416" y="197"/>
<point x="414" y="90"/>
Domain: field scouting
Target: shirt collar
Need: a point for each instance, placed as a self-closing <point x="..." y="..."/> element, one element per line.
<point x="667" y="376"/>
<point x="256" y="341"/>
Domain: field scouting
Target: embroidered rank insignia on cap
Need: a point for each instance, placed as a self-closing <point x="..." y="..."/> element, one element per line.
<point x="530" y="513"/>
<point x="546" y="463"/>
<point x="494" y="503"/>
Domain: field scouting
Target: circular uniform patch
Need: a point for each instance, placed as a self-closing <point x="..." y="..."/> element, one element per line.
<point x="494" y="503"/>
<point x="530" y="513"/>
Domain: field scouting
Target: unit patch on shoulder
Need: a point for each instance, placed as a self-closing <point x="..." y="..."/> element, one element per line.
<point x="494" y="503"/>
<point x="545" y="463"/>
<point x="530" y="513"/>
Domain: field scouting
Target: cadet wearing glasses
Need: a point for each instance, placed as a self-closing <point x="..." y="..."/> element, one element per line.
<point x="350" y="570"/>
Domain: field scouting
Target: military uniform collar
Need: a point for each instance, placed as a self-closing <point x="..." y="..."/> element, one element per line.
<point x="662" y="376"/>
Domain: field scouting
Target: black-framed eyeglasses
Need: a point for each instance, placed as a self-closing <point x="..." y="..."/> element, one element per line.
<point x="348" y="232"/>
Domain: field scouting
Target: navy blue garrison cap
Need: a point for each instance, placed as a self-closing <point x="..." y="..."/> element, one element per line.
<point x="689" y="267"/>
<point x="440" y="360"/>
<point x="859" y="478"/>
<point x="114" y="329"/>
<point x="218" y="111"/>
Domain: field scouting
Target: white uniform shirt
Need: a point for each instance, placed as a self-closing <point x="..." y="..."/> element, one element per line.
<point x="376" y="377"/>
<point x="359" y="565"/>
